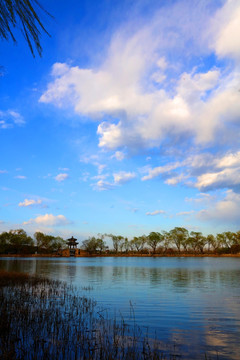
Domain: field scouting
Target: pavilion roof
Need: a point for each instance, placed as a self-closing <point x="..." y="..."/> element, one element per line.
<point x="72" y="240"/>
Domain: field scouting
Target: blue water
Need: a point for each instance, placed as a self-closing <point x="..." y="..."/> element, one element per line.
<point x="193" y="303"/>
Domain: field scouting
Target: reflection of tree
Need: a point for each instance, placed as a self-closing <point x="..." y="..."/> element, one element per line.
<point x="71" y="270"/>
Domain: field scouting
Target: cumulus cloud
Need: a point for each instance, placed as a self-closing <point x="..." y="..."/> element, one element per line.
<point x="123" y="177"/>
<point x="226" y="27"/>
<point x="61" y="177"/>
<point x="48" y="220"/>
<point x="156" y="212"/>
<point x="140" y="112"/>
<point x="10" y="118"/>
<point x="30" y="202"/>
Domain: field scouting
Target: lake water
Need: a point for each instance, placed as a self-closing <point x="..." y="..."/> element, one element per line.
<point x="193" y="303"/>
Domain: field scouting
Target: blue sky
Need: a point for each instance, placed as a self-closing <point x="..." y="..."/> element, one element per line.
<point x="129" y="123"/>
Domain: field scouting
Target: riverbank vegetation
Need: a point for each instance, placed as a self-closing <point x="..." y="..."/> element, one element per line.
<point x="47" y="319"/>
<point x="178" y="241"/>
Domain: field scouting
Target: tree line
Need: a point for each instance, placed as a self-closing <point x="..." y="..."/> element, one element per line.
<point x="18" y="242"/>
<point x="176" y="241"/>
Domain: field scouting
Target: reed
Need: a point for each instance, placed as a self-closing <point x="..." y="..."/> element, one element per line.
<point x="47" y="319"/>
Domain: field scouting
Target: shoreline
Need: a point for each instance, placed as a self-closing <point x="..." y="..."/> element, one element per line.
<point x="116" y="255"/>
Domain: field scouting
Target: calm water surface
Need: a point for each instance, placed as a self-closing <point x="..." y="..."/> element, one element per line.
<point x="192" y="302"/>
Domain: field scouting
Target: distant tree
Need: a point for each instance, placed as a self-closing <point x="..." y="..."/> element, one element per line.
<point x="48" y="243"/>
<point x="117" y="241"/>
<point x="166" y="240"/>
<point x="19" y="241"/>
<point x="211" y="241"/>
<point x="197" y="241"/>
<point x="22" y="14"/>
<point x="221" y="240"/>
<point x="179" y="236"/>
<point x="138" y="242"/>
<point x="4" y="242"/>
<point x="92" y="245"/>
<point x="237" y="238"/>
<point x="229" y="238"/>
<point x="154" y="239"/>
<point x="126" y="244"/>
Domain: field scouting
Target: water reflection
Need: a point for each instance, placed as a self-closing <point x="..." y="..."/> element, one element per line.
<point x="194" y="302"/>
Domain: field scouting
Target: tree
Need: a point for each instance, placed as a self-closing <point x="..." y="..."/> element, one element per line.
<point x="154" y="239"/>
<point x="22" y="14"/>
<point x="179" y="236"/>
<point x="117" y="241"/>
<point x="166" y="240"/>
<point x="211" y="241"/>
<point x="197" y="241"/>
<point x="19" y="241"/>
<point x="126" y="244"/>
<point x="137" y="243"/>
<point x="92" y="245"/>
<point x="48" y="243"/>
<point x="4" y="242"/>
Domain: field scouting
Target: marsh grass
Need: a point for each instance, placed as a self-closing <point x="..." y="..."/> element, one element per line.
<point x="48" y="319"/>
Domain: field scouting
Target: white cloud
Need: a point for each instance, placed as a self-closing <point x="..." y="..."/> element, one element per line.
<point x="225" y="178"/>
<point x="123" y="177"/>
<point x="226" y="28"/>
<point x="30" y="202"/>
<point x="61" y="177"/>
<point x="140" y="112"/>
<point x="156" y="212"/>
<point x="101" y="167"/>
<point x="102" y="185"/>
<point x="9" y="118"/>
<point x="206" y="171"/>
<point x="185" y="213"/>
<point x="152" y="173"/>
<point x="48" y="220"/>
<point x="119" y="155"/>
<point x="223" y="211"/>
<point x="3" y="171"/>
<point x="21" y="177"/>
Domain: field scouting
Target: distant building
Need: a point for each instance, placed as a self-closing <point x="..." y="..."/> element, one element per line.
<point x="72" y="249"/>
<point x="72" y="246"/>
